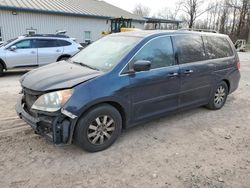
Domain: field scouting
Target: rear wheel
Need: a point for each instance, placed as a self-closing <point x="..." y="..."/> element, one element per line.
<point x="219" y="97"/>
<point x="1" y="69"/>
<point x="98" y="128"/>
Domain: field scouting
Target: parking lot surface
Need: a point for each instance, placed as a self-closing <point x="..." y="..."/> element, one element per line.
<point x="195" y="148"/>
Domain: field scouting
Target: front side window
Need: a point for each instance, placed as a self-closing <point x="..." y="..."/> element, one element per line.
<point x="159" y="52"/>
<point x="46" y="43"/>
<point x="24" y="44"/>
<point x="217" y="47"/>
<point x="107" y="52"/>
<point x="190" y="48"/>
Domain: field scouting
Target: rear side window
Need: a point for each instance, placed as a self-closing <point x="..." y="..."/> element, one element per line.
<point x="217" y="47"/>
<point x="159" y="51"/>
<point x="190" y="48"/>
<point x="63" y="43"/>
<point x="46" y="43"/>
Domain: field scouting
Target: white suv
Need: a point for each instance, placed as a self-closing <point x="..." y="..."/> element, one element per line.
<point x="36" y="50"/>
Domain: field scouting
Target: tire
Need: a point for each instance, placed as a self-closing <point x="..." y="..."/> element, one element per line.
<point x="219" y="97"/>
<point x="1" y="69"/>
<point x="64" y="58"/>
<point x="98" y="128"/>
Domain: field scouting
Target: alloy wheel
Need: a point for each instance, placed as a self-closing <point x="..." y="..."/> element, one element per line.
<point x="220" y="96"/>
<point x="101" y="129"/>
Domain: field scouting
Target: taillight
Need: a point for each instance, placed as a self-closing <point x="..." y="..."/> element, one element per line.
<point x="238" y="65"/>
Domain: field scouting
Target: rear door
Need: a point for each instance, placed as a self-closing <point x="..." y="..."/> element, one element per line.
<point x="196" y="71"/>
<point x="156" y="91"/>
<point x="24" y="55"/>
<point x="220" y="52"/>
<point x="49" y="51"/>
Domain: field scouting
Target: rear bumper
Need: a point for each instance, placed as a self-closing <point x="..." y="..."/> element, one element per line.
<point x="57" y="128"/>
<point x="234" y="80"/>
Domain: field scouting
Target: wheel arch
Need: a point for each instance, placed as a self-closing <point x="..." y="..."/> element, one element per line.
<point x="3" y="64"/>
<point x="119" y="107"/>
<point x="228" y="84"/>
<point x="64" y="55"/>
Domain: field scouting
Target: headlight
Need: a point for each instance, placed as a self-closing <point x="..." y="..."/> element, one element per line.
<point x="53" y="101"/>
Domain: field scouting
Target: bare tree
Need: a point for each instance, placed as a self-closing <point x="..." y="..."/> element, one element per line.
<point x="142" y="10"/>
<point x="248" y="21"/>
<point x="243" y="13"/>
<point x="168" y="13"/>
<point x="214" y="10"/>
<point x="192" y="9"/>
<point x="224" y="17"/>
<point x="165" y="13"/>
<point x="234" y="5"/>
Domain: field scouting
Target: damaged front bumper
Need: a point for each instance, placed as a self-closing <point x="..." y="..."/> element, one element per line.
<point x="56" y="127"/>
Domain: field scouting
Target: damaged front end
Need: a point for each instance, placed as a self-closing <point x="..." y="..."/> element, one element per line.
<point x="56" y="126"/>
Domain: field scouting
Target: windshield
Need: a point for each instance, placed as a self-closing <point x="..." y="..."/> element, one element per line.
<point x="7" y="42"/>
<point x="106" y="53"/>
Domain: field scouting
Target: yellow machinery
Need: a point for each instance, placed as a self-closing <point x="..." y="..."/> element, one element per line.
<point x="120" y="25"/>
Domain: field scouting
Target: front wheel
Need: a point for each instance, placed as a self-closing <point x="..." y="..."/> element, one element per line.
<point x="219" y="97"/>
<point x="99" y="128"/>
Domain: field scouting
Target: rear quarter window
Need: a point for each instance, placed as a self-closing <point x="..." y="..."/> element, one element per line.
<point x="63" y="43"/>
<point x="190" y="48"/>
<point x="217" y="47"/>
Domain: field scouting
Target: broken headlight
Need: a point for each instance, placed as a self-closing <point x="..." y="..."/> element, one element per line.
<point x="52" y="102"/>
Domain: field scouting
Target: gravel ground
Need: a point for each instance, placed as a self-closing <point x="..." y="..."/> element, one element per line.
<point x="196" y="148"/>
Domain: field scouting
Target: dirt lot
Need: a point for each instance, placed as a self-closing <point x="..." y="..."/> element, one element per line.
<point x="197" y="148"/>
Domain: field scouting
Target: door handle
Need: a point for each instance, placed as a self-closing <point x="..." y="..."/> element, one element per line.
<point x="33" y="52"/>
<point x="173" y="74"/>
<point x="58" y="50"/>
<point x="188" y="71"/>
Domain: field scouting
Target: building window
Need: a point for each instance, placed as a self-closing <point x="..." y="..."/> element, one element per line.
<point x="31" y="31"/>
<point x="87" y="36"/>
<point x="1" y="38"/>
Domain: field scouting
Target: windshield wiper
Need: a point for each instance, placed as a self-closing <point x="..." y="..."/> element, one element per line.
<point x="85" y="65"/>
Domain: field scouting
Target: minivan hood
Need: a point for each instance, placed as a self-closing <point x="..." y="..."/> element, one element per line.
<point x="57" y="76"/>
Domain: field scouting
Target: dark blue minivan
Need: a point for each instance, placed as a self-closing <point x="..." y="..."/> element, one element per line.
<point x="127" y="79"/>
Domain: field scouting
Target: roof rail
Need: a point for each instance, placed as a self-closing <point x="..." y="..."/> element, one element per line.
<point x="47" y="35"/>
<point x="199" y="30"/>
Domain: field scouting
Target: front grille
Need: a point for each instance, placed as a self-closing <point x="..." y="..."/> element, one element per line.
<point x="29" y="98"/>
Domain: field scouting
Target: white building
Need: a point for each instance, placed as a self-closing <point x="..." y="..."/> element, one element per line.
<point x="82" y="19"/>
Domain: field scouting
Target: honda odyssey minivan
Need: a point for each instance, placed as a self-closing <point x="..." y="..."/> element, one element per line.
<point x="127" y="79"/>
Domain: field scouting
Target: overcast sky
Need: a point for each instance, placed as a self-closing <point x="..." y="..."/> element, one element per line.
<point x="154" y="5"/>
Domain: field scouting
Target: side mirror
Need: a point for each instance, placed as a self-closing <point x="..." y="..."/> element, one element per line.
<point x="141" y="65"/>
<point x="13" y="48"/>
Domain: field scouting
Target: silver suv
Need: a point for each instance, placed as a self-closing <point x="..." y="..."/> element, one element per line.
<point x="36" y="50"/>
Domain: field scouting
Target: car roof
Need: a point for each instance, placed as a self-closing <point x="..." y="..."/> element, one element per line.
<point x="148" y="33"/>
<point x="47" y="36"/>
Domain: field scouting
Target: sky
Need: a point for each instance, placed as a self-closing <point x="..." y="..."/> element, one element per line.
<point x="154" y="5"/>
